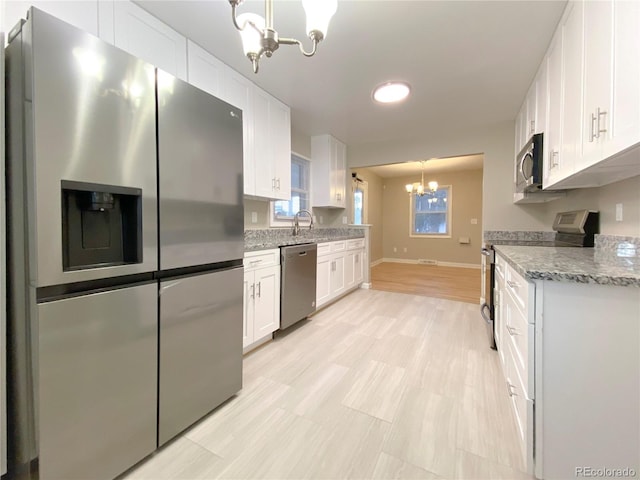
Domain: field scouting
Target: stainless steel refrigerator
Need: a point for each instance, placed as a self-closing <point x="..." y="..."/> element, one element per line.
<point x="125" y="242"/>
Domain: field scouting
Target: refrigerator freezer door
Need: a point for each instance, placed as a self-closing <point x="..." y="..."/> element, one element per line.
<point x="88" y="114"/>
<point x="97" y="384"/>
<point x="200" y="176"/>
<point x="200" y="347"/>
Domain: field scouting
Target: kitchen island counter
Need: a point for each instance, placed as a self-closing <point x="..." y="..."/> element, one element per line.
<point x="619" y="266"/>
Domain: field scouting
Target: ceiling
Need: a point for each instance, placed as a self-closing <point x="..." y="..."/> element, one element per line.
<point x="469" y="62"/>
<point x="431" y="166"/>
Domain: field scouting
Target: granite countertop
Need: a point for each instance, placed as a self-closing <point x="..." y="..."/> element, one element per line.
<point x="275" y="238"/>
<point x="620" y="267"/>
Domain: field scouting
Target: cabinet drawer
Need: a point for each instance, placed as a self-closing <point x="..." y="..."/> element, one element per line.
<point x="355" y="243"/>
<point x="324" y="249"/>
<point x="518" y="288"/>
<point x="521" y="405"/>
<point x="519" y="335"/>
<point x="262" y="258"/>
<point x="338" y="246"/>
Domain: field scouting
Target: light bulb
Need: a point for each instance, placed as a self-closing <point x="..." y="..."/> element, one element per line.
<point x="251" y="36"/>
<point x="391" y="92"/>
<point x="409" y="187"/>
<point x="433" y="185"/>
<point x="420" y="189"/>
<point x="319" y="13"/>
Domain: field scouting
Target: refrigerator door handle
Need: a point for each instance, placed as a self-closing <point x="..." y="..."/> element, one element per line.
<point x="486" y="318"/>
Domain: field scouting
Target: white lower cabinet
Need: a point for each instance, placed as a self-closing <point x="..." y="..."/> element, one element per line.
<point x="339" y="270"/>
<point x="572" y="372"/>
<point x="261" y="314"/>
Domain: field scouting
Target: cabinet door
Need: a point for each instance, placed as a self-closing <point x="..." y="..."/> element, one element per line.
<point x="572" y="85"/>
<point x="280" y="138"/>
<point x="531" y="100"/>
<point x="205" y="71"/>
<point x="625" y="124"/>
<point x="598" y="36"/>
<point x="338" y="280"/>
<point x="238" y="91"/>
<point x="147" y="38"/>
<point x="350" y="269"/>
<point x="553" y="164"/>
<point x="359" y="267"/>
<point x="267" y="301"/>
<point x="540" y="121"/>
<point x="265" y="178"/>
<point x="340" y="174"/>
<point x="248" y="309"/>
<point x="323" y="280"/>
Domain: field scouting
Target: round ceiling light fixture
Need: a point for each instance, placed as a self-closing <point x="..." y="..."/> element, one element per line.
<point x="391" y="92"/>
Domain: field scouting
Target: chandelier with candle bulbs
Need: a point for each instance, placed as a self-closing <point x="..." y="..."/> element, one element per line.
<point x="260" y="38"/>
<point x="419" y="188"/>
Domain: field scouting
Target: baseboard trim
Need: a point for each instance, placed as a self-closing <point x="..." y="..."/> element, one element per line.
<point x="438" y="263"/>
<point x="377" y="262"/>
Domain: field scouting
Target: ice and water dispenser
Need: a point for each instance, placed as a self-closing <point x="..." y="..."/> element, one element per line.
<point x="101" y="225"/>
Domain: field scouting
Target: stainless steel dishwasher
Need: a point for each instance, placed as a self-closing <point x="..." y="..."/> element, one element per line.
<point x="298" y="283"/>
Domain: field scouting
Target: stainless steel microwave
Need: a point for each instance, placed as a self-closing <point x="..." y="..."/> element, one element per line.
<point x="529" y="165"/>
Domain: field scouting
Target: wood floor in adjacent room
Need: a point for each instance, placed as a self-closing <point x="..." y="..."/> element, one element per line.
<point x="452" y="283"/>
<point x="378" y="385"/>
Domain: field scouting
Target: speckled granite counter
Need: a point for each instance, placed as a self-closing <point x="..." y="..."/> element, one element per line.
<point x="276" y="237"/>
<point x="619" y="266"/>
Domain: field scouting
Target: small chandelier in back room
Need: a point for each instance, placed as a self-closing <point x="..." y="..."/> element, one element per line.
<point x="418" y="188"/>
<point x="260" y="38"/>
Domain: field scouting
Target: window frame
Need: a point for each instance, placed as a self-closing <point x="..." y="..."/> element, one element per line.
<point x="449" y="213"/>
<point x="288" y="221"/>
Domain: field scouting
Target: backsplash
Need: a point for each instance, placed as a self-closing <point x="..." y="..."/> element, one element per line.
<point x="518" y="235"/>
<point x="256" y="238"/>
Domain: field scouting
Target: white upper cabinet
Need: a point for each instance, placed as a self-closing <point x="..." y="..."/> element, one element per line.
<point x="598" y="39"/>
<point x="571" y="125"/>
<point x="553" y="166"/>
<point x="83" y="15"/>
<point x="271" y="168"/>
<point x="328" y="167"/>
<point x="147" y="38"/>
<point x="625" y="116"/>
<point x="599" y="101"/>
<point x="205" y="71"/>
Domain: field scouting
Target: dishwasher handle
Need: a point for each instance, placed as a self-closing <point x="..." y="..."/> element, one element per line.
<point x="302" y="254"/>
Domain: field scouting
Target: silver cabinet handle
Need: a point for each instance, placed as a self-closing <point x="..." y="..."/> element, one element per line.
<point x="512" y="331"/>
<point x="600" y="114"/>
<point x="255" y="262"/>
<point x="592" y="133"/>
<point x="253" y="290"/>
<point x="532" y="127"/>
<point x="278" y="182"/>
<point x="259" y="290"/>
<point x="273" y="183"/>
<point x="511" y="389"/>
<point x="513" y="284"/>
<point x="553" y="159"/>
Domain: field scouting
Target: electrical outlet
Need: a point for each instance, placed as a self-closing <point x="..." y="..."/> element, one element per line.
<point x="395" y="250"/>
<point x="474" y="221"/>
<point x="618" y="212"/>
<point x="314" y="219"/>
<point x="344" y="219"/>
<point x="321" y="219"/>
<point x="254" y="217"/>
<point x="405" y="249"/>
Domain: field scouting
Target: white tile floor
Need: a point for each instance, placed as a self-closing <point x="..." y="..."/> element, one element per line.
<point x="377" y="385"/>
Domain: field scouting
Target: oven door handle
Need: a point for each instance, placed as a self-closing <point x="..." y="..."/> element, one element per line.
<point x="482" y="312"/>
